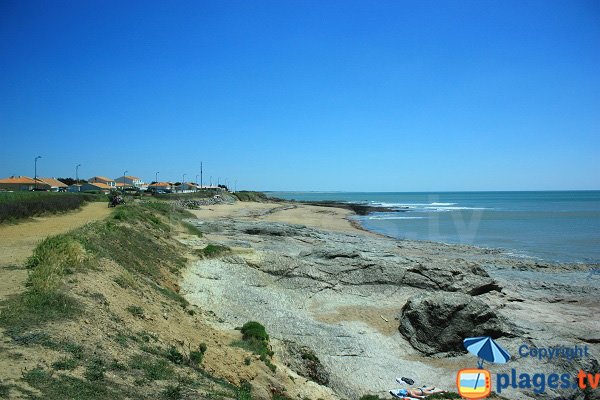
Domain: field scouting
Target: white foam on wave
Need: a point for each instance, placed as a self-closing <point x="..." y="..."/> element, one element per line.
<point x="454" y="208"/>
<point x="394" y="217"/>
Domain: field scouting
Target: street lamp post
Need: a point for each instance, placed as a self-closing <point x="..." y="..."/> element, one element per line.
<point x="200" y="175"/>
<point x="77" y="177"/>
<point x="183" y="182"/>
<point x="156" y="177"/>
<point x="35" y="170"/>
<point x="124" y="173"/>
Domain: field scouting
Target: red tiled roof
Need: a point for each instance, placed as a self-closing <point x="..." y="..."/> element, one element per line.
<point x="99" y="185"/>
<point x="160" y="184"/>
<point x="18" y="180"/>
<point x="102" y="178"/>
<point x="52" y="182"/>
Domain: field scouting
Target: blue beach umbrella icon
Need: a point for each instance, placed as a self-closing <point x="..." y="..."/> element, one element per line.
<point x="486" y="349"/>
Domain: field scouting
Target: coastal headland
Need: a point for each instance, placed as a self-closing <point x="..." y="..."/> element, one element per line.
<point x="372" y="308"/>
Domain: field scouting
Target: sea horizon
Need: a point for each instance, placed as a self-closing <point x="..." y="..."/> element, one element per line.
<point x="550" y="225"/>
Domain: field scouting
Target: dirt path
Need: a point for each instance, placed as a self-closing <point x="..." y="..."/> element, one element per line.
<point x="18" y="241"/>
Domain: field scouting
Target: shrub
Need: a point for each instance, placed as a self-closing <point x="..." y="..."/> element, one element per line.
<point x="213" y="250"/>
<point x="254" y="330"/>
<point x="65" y="364"/>
<point x="174" y="355"/>
<point x="196" y="356"/>
<point x="136" y="311"/>
<point x="95" y="370"/>
<point x="244" y="392"/>
<point x="18" y="205"/>
<point x="172" y="392"/>
<point x="153" y="369"/>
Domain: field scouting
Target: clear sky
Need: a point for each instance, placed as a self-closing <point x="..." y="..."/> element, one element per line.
<point x="305" y="95"/>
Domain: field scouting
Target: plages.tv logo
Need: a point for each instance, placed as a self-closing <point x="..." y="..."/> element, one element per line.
<point x="476" y="383"/>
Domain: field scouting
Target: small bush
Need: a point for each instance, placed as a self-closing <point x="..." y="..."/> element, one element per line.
<point x="254" y="330"/>
<point x="153" y="369"/>
<point x="174" y="355"/>
<point x="371" y="397"/>
<point x="136" y="311"/>
<point x="213" y="250"/>
<point x="65" y="364"/>
<point x="196" y="356"/>
<point x="95" y="370"/>
<point x="244" y="392"/>
<point x="172" y="392"/>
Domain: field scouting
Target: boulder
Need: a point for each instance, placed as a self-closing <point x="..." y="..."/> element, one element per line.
<point x="468" y="279"/>
<point x="438" y="322"/>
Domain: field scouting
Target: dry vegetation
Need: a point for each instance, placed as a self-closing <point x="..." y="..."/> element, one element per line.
<point x="101" y="317"/>
<point x="19" y="205"/>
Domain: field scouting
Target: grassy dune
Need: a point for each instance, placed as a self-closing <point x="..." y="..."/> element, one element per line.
<point x="18" y="205"/>
<point x="94" y="321"/>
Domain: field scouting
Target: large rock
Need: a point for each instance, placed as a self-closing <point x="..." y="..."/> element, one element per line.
<point x="458" y="277"/>
<point x="438" y="322"/>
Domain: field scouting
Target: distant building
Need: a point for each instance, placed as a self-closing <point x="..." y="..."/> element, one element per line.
<point x="18" y="183"/>
<point x="187" y="187"/>
<point x="103" y="179"/>
<point x="96" y="186"/>
<point x="51" y="184"/>
<point x="161" y="186"/>
<point x="131" y="181"/>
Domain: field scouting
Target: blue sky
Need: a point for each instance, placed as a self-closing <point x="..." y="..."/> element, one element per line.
<point x="305" y="95"/>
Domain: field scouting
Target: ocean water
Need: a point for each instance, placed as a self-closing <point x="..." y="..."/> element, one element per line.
<point x="562" y="226"/>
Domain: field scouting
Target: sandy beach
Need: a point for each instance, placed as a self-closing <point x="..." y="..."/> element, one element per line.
<point x="314" y="279"/>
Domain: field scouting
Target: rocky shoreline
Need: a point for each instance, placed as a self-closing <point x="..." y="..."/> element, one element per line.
<point x="370" y="308"/>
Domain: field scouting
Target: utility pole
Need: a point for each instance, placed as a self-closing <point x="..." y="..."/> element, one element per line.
<point x="156" y="177"/>
<point x="124" y="173"/>
<point x="183" y="182"/>
<point x="200" y="175"/>
<point x="196" y="179"/>
<point x="77" y="177"/>
<point x="210" y="180"/>
<point x="35" y="171"/>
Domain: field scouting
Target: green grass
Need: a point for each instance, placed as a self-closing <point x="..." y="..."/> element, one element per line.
<point x="158" y="369"/>
<point x="447" y="395"/>
<point x="244" y="195"/>
<point x="213" y="250"/>
<point x="18" y="205"/>
<point x="244" y="392"/>
<point x="192" y="229"/>
<point x="4" y="390"/>
<point x="68" y="387"/>
<point x="33" y="309"/>
<point x="136" y="311"/>
<point x="65" y="364"/>
<point x="172" y="392"/>
<point x="201" y="194"/>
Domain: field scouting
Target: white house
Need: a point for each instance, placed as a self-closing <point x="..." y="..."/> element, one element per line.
<point x="129" y="180"/>
<point x="102" y="179"/>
